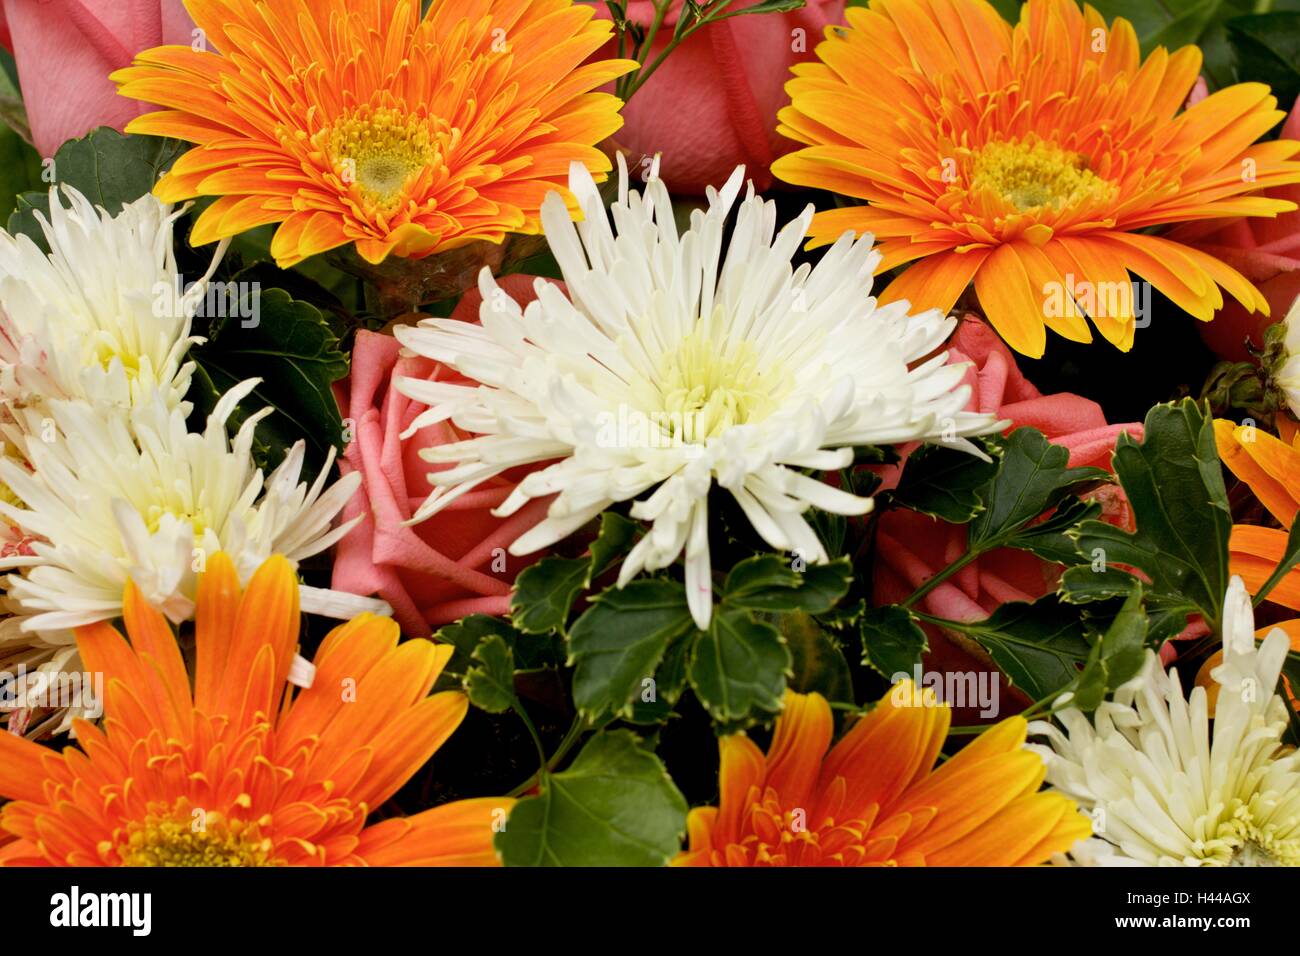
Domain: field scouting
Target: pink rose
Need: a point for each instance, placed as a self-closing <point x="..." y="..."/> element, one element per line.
<point x="455" y="563"/>
<point x="911" y="548"/>
<point x="711" y="105"/>
<point x="65" y="50"/>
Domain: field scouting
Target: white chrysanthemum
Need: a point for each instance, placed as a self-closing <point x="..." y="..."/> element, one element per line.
<point x="1162" y="786"/>
<point x="1287" y="377"/>
<point x="671" y="366"/>
<point x="134" y="494"/>
<point x="101" y="317"/>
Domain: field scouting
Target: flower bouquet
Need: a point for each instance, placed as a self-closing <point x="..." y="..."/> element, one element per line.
<point x="709" y="434"/>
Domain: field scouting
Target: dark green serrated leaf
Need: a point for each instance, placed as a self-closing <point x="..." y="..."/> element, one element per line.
<point x="1050" y="538"/>
<point x="1038" y="646"/>
<point x="892" y="640"/>
<point x="619" y="641"/>
<point x="944" y="483"/>
<point x="739" y="666"/>
<point x="109" y="168"/>
<point x="654" y="702"/>
<point x="1033" y="477"/>
<point x="615" y="806"/>
<point x="1117" y="657"/>
<point x="1094" y="582"/>
<point x="767" y="582"/>
<point x="491" y="686"/>
<point x="293" y="351"/>
<point x="531" y="651"/>
<point x="1174" y="484"/>
<point x="616" y="537"/>
<point x="544" y="593"/>
<point x="816" y="660"/>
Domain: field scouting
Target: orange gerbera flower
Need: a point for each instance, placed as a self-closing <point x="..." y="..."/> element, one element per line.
<point x="359" y="121"/>
<point x="1271" y="468"/>
<point x="242" y="772"/>
<point x="875" y="798"/>
<point x="1027" y="159"/>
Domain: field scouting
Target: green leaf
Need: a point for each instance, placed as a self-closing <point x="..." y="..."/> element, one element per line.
<point x="1266" y="49"/>
<point x="1049" y="538"/>
<point x="1177" y="23"/>
<point x="492" y="685"/>
<point x="944" y="483"/>
<point x="544" y="593"/>
<point x="654" y="702"/>
<point x="1174" y="484"/>
<point x="1117" y="657"/>
<point x="767" y="582"/>
<point x="892" y="640"/>
<point x="1033" y="476"/>
<point x="530" y="651"/>
<point x="20" y="170"/>
<point x="1290" y="557"/>
<point x="1086" y="583"/>
<point x="765" y="6"/>
<point x="615" y="806"/>
<point x="619" y="641"/>
<point x="109" y="168"/>
<point x="616" y="537"/>
<point x="817" y="662"/>
<point x="290" y="347"/>
<point x="1038" y="646"/>
<point x="739" y="666"/>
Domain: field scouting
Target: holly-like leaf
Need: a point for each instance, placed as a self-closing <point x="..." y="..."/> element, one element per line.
<point x="944" y="483"/>
<point x="619" y="641"/>
<point x="1050" y="538"/>
<point x="1174" y="484"/>
<point x="614" y="806"/>
<point x="1117" y="657"/>
<point x="491" y="685"/>
<point x="817" y="662"/>
<point x="109" y="168"/>
<point x="544" y="593"/>
<point x="616" y="537"/>
<point x="892" y="640"/>
<point x="290" y="347"/>
<point x="1039" y="645"/>
<point x="654" y="701"/>
<point x="1033" y="477"/>
<point x="767" y="582"/>
<point x="530" y="650"/>
<point x="739" y="667"/>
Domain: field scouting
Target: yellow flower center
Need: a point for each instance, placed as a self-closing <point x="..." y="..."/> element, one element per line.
<point x="380" y="150"/>
<point x="707" y="386"/>
<point x="189" y="837"/>
<point x="199" y="521"/>
<point x="105" y="348"/>
<point x="1036" y="175"/>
